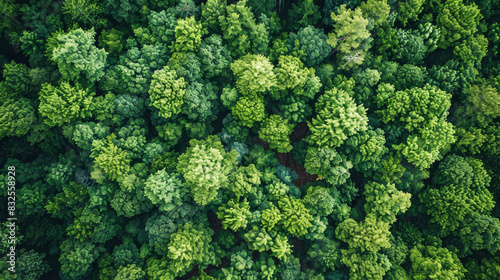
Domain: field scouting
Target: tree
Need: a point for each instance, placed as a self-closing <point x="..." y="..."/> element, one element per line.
<point x="281" y="249"/>
<point x="295" y="217"/>
<point x="86" y="12"/>
<point x="351" y="37"/>
<point x="76" y="55"/>
<point x="306" y="13"/>
<point x="214" y="56"/>
<point x="112" y="40"/>
<point x="312" y="43"/>
<point x="473" y="49"/>
<point x="254" y="74"/>
<point x="210" y="13"/>
<point x="409" y="10"/>
<point x="423" y="112"/>
<point x="366" y="265"/>
<point x="338" y="118"/>
<point x="457" y="21"/>
<point x="248" y="111"/>
<point x="258" y="239"/>
<point x="164" y="190"/>
<point x="134" y="70"/>
<point x="16" y="117"/>
<point x="167" y="92"/>
<point x="483" y="104"/>
<point x="187" y="35"/>
<point x="377" y="12"/>
<point x="162" y="25"/>
<point x="319" y="201"/>
<point x="241" y="31"/>
<point x="479" y="232"/>
<point x="437" y="263"/>
<point x="111" y="160"/>
<point x="276" y="131"/>
<point x="242" y="180"/>
<point x="369" y="235"/>
<point x="76" y="259"/>
<point x="64" y="104"/>
<point x="464" y="190"/>
<point x="411" y="47"/>
<point x="328" y="165"/>
<point x="234" y="215"/>
<point x="205" y="166"/>
<point x="385" y="201"/>
<point x="130" y="272"/>
<point x="188" y="246"/>
<point x="31" y="265"/>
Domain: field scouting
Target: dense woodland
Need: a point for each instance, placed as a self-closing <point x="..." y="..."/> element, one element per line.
<point x="258" y="139"/>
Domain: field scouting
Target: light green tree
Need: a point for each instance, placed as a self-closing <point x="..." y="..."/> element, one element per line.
<point x="205" y="166"/>
<point x="276" y="131"/>
<point x="167" y="92"/>
<point x="64" y="103"/>
<point x="76" y="54"/>
<point x="338" y="117"/>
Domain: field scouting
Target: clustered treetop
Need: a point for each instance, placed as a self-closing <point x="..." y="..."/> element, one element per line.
<point x="252" y="139"/>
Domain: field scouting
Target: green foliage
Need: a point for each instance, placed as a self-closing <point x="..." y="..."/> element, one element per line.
<point x="258" y="239"/>
<point x="167" y="92"/>
<point x="187" y="35"/>
<point x="130" y="272"/>
<point x="16" y="117"/>
<point x="457" y="21"/>
<point x="164" y="190"/>
<point x="241" y="31"/>
<point x="243" y="179"/>
<point x="281" y="249"/>
<point x="366" y="265"/>
<point x="247" y="111"/>
<point x="327" y="164"/>
<point x="162" y="25"/>
<point x="338" y="117"/>
<point x="210" y="13"/>
<point x="385" y="201"/>
<point x="86" y="12"/>
<point x="234" y="215"/>
<point x="189" y="246"/>
<point x="309" y="43"/>
<point x="473" y="49"/>
<point x="31" y="265"/>
<point x="369" y="235"/>
<point x="377" y="12"/>
<point x="75" y="54"/>
<point x="110" y="159"/>
<point x="351" y="38"/>
<point x="111" y="40"/>
<point x="134" y="70"/>
<point x="438" y="263"/>
<point x="214" y="56"/>
<point x="423" y="111"/>
<point x="205" y="166"/>
<point x="64" y="104"/>
<point x="276" y="131"/>
<point x="479" y="232"/>
<point x="76" y="259"/>
<point x="295" y="217"/>
<point x="254" y="74"/>
<point x="154" y="139"/>
<point x="325" y="254"/>
<point x="483" y="103"/>
<point x="409" y="10"/>
<point x="306" y="13"/>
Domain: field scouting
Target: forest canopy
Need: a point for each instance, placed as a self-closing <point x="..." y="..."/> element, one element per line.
<point x="252" y="139"/>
